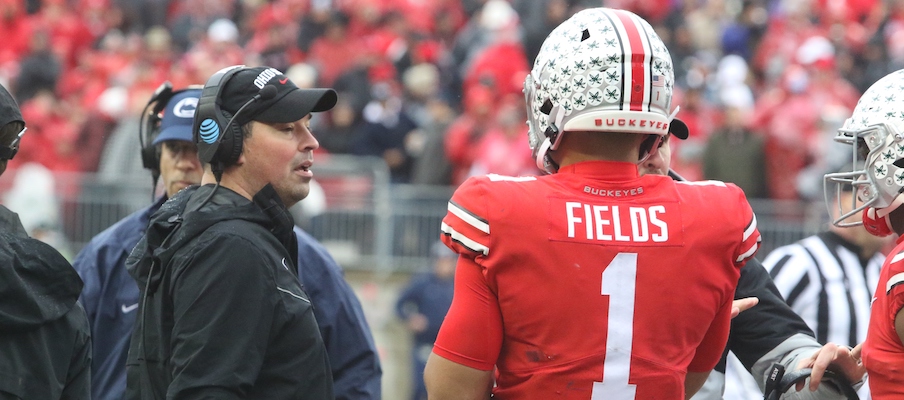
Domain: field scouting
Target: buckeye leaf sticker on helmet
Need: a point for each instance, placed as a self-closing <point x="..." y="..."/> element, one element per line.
<point x="601" y="70"/>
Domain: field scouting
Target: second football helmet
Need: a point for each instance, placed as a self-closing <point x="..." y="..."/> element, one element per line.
<point x="875" y="132"/>
<point x="600" y="70"/>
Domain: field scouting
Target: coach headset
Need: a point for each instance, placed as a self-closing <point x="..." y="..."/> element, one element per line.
<point x="149" y="126"/>
<point x="218" y="138"/>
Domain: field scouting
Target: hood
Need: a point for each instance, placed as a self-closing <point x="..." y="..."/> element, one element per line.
<point x="185" y="216"/>
<point x="37" y="284"/>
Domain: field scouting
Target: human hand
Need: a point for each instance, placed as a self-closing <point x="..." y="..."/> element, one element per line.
<point x="840" y="359"/>
<point x="743" y="304"/>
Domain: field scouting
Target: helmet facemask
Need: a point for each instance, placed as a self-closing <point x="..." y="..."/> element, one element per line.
<point x="877" y="175"/>
<point x="875" y="132"/>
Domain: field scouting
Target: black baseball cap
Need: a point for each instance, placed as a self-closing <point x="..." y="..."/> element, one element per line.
<point x="678" y="128"/>
<point x="289" y="103"/>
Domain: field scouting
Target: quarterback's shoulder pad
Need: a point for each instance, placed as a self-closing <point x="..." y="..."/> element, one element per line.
<point x="896" y="270"/>
<point x="733" y="207"/>
<point x="466" y="226"/>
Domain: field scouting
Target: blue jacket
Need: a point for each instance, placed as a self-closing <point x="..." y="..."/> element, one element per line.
<point x="110" y="297"/>
<point x="346" y="335"/>
<point x="431" y="296"/>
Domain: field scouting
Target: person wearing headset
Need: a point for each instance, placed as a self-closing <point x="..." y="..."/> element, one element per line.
<point x="111" y="295"/>
<point x="45" y="340"/>
<point x="221" y="313"/>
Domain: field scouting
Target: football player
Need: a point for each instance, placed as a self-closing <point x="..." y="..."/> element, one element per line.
<point x="591" y="282"/>
<point x="875" y="132"/>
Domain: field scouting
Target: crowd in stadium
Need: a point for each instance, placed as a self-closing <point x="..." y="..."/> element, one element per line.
<point x="434" y="87"/>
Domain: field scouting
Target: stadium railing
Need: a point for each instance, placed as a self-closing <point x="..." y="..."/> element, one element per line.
<point x="367" y="223"/>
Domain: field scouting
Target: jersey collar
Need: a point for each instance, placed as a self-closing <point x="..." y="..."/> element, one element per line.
<point x="611" y="170"/>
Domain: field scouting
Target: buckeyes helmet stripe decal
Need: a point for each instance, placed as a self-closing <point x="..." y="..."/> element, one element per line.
<point x="637" y="47"/>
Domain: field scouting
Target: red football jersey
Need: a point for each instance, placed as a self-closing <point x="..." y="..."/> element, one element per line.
<point x="593" y="283"/>
<point x="883" y="353"/>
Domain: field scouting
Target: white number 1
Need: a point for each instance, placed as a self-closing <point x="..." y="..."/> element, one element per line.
<point x="619" y="280"/>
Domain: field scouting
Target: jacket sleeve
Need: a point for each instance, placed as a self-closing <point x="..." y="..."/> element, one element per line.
<point x="346" y="334"/>
<point x="78" y="380"/>
<point x="759" y="330"/>
<point x="86" y="264"/>
<point x="223" y="311"/>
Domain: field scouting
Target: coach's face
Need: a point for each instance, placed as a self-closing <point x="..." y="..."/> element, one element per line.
<point x="658" y="162"/>
<point x="282" y="154"/>
<point x="179" y="166"/>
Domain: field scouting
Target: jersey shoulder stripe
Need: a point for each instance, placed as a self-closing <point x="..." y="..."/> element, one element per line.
<point x="466" y="225"/>
<point x="895" y="280"/>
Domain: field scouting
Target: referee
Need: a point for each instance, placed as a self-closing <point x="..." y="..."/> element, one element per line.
<point x="829" y="278"/>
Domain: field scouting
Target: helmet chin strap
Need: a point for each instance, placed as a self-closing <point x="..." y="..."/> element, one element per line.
<point x="893" y="206"/>
<point x="541" y="159"/>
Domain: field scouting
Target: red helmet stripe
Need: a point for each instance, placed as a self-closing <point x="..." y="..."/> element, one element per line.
<point x="640" y="58"/>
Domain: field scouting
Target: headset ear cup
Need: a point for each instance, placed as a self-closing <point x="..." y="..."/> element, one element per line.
<point x="149" y="158"/>
<point x="231" y="148"/>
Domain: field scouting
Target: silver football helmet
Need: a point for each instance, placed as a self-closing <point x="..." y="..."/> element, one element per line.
<point x="600" y="70"/>
<point x="875" y="132"/>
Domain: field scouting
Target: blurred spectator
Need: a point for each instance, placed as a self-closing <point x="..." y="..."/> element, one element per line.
<point x="69" y="35"/>
<point x="788" y="119"/>
<point x="433" y="116"/>
<point x="16" y="29"/>
<point x="466" y="131"/>
<point x="339" y="133"/>
<point x="51" y="132"/>
<point x="705" y="25"/>
<point x="102" y="119"/>
<point x="784" y="35"/>
<point x="385" y="130"/>
<point x="539" y="17"/>
<point x="191" y="19"/>
<point x="701" y="118"/>
<point x="40" y="69"/>
<point x="312" y="25"/>
<point x="501" y="150"/>
<point x="734" y="153"/>
<point x="218" y="48"/>
<point x="423" y="305"/>
<point x="496" y="23"/>
<point x="273" y="37"/>
<point x="336" y="51"/>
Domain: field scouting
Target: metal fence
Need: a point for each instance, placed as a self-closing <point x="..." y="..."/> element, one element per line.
<point x="366" y="222"/>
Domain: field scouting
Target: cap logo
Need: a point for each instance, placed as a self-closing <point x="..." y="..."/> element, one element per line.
<point x="186" y="107"/>
<point x="265" y="76"/>
<point x="209" y="131"/>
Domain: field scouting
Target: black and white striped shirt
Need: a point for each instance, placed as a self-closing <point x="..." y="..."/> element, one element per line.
<point x="824" y="281"/>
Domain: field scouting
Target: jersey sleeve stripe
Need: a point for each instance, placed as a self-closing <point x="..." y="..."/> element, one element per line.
<point x="750" y="252"/>
<point x="464" y="240"/>
<point x="897" y="257"/>
<point x="894" y="281"/>
<point x="751" y="228"/>
<point x="469" y="217"/>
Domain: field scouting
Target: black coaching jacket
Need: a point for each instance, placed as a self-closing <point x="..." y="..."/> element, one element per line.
<point x="221" y="313"/>
<point x="45" y="340"/>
